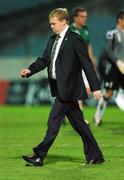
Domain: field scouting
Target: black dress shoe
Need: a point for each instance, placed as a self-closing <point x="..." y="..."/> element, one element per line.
<point x="35" y="160"/>
<point x="93" y="162"/>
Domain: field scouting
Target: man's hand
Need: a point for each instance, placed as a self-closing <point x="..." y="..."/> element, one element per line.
<point x="97" y="95"/>
<point x="25" y="72"/>
<point x="120" y="66"/>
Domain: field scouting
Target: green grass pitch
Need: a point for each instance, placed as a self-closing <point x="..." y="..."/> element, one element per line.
<point x="21" y="128"/>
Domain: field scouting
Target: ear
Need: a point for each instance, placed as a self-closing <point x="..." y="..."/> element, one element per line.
<point x="64" y="21"/>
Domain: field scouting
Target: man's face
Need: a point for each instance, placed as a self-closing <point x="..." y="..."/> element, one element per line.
<point x="121" y="22"/>
<point x="57" y="26"/>
<point x="81" y="19"/>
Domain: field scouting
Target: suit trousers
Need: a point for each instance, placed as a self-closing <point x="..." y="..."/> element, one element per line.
<point x="74" y="114"/>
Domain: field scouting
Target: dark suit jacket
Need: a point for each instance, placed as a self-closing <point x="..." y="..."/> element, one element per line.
<point x="72" y="58"/>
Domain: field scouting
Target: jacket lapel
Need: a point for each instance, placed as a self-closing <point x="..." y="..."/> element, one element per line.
<point x="52" y="42"/>
<point x="64" y="41"/>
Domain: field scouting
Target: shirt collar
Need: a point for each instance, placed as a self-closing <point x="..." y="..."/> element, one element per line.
<point x="74" y="25"/>
<point x="62" y="34"/>
<point x="120" y="29"/>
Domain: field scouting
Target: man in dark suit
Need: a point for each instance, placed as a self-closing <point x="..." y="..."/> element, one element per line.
<point x="65" y="57"/>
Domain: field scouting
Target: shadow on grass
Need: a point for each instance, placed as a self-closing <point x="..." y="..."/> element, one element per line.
<point x="115" y="127"/>
<point x="52" y="158"/>
<point x="55" y="158"/>
<point x="117" y="131"/>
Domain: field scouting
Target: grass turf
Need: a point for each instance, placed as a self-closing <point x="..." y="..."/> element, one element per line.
<point x="21" y="128"/>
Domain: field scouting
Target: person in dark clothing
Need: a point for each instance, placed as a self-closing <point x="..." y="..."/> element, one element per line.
<point x="64" y="57"/>
<point x="114" y="65"/>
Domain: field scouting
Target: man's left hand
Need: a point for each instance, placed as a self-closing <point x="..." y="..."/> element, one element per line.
<point x="97" y="95"/>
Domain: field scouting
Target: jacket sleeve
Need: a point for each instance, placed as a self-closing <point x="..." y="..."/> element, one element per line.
<point x="86" y="63"/>
<point x="109" y="47"/>
<point x="40" y="64"/>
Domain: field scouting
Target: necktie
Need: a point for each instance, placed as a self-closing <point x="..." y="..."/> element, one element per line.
<point x="53" y="54"/>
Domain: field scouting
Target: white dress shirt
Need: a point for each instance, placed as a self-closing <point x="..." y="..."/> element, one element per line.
<point x="62" y="34"/>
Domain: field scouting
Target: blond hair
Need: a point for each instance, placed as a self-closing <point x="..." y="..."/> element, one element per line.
<point x="60" y="13"/>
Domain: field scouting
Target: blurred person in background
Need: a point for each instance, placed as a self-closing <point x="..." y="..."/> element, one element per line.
<point x="79" y="18"/>
<point x="114" y="68"/>
<point x="63" y="58"/>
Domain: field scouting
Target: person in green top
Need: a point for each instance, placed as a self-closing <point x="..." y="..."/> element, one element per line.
<point x="79" y="26"/>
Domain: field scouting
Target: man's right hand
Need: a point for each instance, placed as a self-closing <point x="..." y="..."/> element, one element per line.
<point x="120" y="65"/>
<point x="25" y="72"/>
<point x="97" y="95"/>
